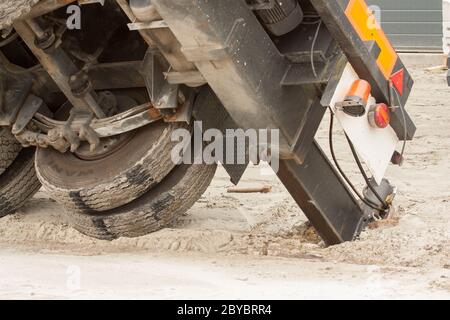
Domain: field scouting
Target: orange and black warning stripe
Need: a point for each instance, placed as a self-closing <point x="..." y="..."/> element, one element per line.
<point x="354" y="26"/>
<point x="368" y="28"/>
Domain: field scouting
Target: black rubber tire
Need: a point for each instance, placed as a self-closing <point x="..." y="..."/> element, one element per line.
<point x="111" y="182"/>
<point x="9" y="149"/>
<point x="18" y="181"/>
<point x="157" y="209"/>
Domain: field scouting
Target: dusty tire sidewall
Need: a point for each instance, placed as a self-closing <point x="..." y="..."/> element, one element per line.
<point x="118" y="178"/>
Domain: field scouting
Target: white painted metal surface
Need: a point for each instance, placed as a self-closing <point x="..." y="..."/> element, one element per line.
<point x="375" y="146"/>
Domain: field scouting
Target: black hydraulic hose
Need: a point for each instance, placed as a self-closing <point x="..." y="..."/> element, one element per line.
<point x="364" y="174"/>
<point x="341" y="171"/>
<point x="313" y="67"/>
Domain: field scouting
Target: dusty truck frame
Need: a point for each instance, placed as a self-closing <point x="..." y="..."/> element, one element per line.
<point x="99" y="103"/>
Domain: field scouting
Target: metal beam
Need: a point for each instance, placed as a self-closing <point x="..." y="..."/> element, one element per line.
<point x="316" y="186"/>
<point x="245" y="69"/>
<point x="105" y="76"/>
<point x="323" y="196"/>
<point x="161" y="38"/>
<point x="241" y="63"/>
<point x="58" y="65"/>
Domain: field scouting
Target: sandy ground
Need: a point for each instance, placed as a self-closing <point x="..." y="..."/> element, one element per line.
<point x="242" y="246"/>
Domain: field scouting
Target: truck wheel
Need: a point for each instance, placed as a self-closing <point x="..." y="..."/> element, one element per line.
<point x="112" y="180"/>
<point x="9" y="149"/>
<point x="156" y="209"/>
<point x="18" y="181"/>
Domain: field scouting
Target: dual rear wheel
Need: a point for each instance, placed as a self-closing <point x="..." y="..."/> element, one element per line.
<point x="133" y="190"/>
<point x="18" y="181"/>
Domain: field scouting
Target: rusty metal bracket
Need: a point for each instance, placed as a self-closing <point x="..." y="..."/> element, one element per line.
<point x="162" y="94"/>
<point x="25" y="115"/>
<point x="62" y="135"/>
<point x="59" y="66"/>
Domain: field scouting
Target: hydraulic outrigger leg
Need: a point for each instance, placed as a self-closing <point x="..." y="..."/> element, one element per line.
<point x="262" y="88"/>
<point x="324" y="198"/>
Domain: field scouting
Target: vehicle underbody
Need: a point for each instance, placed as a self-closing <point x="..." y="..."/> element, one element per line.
<point x="96" y="105"/>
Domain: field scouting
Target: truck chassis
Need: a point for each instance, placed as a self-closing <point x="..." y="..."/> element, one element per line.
<point x="230" y="72"/>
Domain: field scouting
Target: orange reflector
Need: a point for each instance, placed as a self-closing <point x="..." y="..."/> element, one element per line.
<point x="366" y="25"/>
<point x="360" y="90"/>
<point x="355" y="102"/>
<point x="379" y="116"/>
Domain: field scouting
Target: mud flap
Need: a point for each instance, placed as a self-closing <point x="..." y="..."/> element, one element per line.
<point x="209" y="110"/>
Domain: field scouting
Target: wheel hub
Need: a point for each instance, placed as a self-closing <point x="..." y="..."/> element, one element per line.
<point x="111" y="105"/>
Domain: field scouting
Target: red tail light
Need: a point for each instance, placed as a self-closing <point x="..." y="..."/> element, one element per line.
<point x="379" y="116"/>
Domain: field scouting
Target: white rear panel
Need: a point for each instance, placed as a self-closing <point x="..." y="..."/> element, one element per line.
<point x="375" y="146"/>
